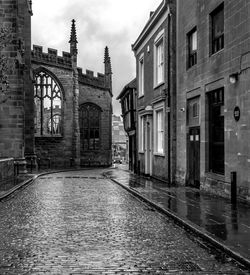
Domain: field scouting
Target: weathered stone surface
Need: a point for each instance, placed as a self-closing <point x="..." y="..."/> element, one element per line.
<point x="212" y="72"/>
<point x="17" y="113"/>
<point x="16" y="19"/>
<point x="6" y="170"/>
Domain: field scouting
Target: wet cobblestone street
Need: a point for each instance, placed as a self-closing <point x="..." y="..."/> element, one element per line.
<point x="81" y="223"/>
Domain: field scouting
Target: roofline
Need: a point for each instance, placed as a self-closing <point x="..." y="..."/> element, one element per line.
<point x="125" y="88"/>
<point x="149" y="24"/>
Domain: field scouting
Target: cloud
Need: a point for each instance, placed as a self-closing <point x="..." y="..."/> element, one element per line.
<point x="115" y="23"/>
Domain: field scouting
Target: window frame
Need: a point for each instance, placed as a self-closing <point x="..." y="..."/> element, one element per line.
<point x="141" y="71"/>
<point x="157" y="109"/>
<point x="192" y="54"/>
<point x="195" y="110"/>
<point x="217" y="41"/>
<point x="159" y="40"/>
<point x="141" y="134"/>
<point x="88" y="128"/>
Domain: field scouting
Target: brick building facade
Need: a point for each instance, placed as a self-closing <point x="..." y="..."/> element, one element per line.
<point x="155" y="72"/>
<point x="213" y="62"/>
<point x="52" y="111"/>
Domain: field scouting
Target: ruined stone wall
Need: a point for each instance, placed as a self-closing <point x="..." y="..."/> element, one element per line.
<point x="7" y="172"/>
<point x="103" y="99"/>
<point x="17" y="64"/>
<point x="58" y="149"/>
<point x="15" y="21"/>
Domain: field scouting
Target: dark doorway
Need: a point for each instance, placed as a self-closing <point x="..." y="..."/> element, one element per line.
<point x="193" y="142"/>
<point x="89" y="120"/>
<point x="216" y="131"/>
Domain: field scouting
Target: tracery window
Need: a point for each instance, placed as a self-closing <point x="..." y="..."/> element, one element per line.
<point x="90" y="115"/>
<point x="48" y="105"/>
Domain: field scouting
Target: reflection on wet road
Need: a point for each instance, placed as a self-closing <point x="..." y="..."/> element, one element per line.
<point x="226" y="222"/>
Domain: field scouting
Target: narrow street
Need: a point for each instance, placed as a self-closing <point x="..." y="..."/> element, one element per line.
<point x="81" y="223"/>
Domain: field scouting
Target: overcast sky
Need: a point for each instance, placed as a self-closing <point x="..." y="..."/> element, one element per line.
<point x="115" y="23"/>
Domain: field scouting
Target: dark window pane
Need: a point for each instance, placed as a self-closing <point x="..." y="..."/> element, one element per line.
<point x="97" y="133"/>
<point x="89" y="121"/>
<point x="217" y="19"/>
<point x="192" y="48"/>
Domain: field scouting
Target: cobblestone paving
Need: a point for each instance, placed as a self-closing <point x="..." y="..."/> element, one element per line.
<point x="81" y="223"/>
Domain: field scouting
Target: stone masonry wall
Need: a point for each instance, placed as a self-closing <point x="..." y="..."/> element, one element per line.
<point x="58" y="149"/>
<point x="13" y="14"/>
<point x="6" y="170"/>
<point x="212" y="72"/>
<point x="103" y="99"/>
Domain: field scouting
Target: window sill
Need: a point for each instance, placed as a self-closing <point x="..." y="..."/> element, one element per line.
<point x="140" y="96"/>
<point x="158" y="85"/>
<point x="159" y="154"/>
<point x="215" y="176"/>
<point x="47" y="136"/>
<point x="220" y="51"/>
<point x="141" y="152"/>
<point x="90" y="150"/>
<point x="191" y="67"/>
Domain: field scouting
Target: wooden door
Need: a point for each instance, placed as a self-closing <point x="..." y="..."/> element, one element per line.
<point x="193" y="142"/>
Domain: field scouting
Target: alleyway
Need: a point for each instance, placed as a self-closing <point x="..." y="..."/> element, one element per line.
<point x="81" y="223"/>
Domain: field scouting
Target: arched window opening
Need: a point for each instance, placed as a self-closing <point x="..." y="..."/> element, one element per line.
<point x="90" y="126"/>
<point x="48" y="105"/>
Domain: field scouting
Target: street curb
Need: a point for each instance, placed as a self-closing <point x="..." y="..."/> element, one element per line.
<point x="188" y="225"/>
<point x="17" y="187"/>
<point x="29" y="181"/>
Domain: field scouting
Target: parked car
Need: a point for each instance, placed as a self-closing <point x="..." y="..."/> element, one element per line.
<point x="117" y="159"/>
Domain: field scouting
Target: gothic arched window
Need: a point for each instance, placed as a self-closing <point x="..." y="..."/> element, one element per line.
<point x="48" y="105"/>
<point x="90" y="126"/>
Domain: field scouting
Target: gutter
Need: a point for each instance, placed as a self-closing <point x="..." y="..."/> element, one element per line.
<point x="169" y="98"/>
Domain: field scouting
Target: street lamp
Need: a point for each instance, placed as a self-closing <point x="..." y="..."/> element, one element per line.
<point x="233" y="78"/>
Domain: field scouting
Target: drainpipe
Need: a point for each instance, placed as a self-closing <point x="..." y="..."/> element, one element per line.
<point x="169" y="98"/>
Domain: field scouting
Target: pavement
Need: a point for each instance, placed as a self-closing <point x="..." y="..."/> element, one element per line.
<point x="215" y="219"/>
<point x="212" y="218"/>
